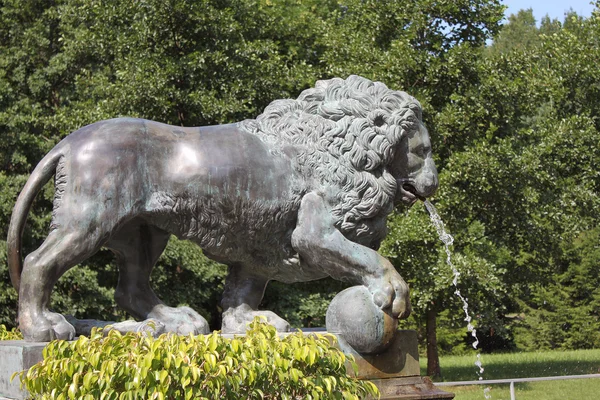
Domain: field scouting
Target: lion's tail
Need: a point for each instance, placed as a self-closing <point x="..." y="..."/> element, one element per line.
<point x="39" y="177"/>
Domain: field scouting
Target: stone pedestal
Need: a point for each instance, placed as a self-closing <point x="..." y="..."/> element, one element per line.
<point x="400" y="359"/>
<point x="16" y="356"/>
<point x="396" y="371"/>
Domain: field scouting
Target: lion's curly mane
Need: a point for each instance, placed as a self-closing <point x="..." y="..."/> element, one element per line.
<point x="350" y="130"/>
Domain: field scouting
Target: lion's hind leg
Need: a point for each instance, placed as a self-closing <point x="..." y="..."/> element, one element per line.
<point x="41" y="269"/>
<point x="137" y="247"/>
<point x="243" y="293"/>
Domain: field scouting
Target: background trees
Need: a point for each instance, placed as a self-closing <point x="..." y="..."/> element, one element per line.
<point x="520" y="184"/>
<point x="514" y="124"/>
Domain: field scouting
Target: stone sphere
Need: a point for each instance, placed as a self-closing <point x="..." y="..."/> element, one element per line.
<point x="354" y="316"/>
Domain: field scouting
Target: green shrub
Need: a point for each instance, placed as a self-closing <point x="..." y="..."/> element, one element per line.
<point x="135" y="366"/>
<point x="12" y="334"/>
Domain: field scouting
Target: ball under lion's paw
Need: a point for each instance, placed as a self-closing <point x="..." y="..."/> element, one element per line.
<point x="354" y="316"/>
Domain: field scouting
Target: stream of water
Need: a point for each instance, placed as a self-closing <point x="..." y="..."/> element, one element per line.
<point x="447" y="239"/>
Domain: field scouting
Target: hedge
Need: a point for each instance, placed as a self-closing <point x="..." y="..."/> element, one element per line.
<point x="260" y="365"/>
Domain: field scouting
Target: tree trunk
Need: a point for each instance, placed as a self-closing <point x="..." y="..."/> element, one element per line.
<point x="433" y="359"/>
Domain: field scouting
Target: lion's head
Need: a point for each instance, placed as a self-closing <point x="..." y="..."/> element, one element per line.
<point x="365" y="144"/>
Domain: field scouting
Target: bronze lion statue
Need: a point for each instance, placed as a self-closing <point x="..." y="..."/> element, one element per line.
<point x="300" y="193"/>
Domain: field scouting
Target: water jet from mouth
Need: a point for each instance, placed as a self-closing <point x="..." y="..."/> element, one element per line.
<point x="447" y="239"/>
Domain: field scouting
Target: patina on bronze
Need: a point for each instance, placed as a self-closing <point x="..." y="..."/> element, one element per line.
<point x="300" y="193"/>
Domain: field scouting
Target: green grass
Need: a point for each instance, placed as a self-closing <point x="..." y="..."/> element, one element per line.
<point x="577" y="389"/>
<point x="519" y="365"/>
<point x="525" y="365"/>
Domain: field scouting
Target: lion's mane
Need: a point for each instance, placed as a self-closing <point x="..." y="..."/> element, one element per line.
<point x="349" y="131"/>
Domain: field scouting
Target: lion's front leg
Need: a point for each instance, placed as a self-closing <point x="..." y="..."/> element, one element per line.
<point x="322" y="246"/>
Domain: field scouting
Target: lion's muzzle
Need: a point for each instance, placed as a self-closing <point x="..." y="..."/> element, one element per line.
<point x="422" y="186"/>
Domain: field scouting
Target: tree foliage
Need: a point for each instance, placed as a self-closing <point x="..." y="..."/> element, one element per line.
<point x="514" y="124"/>
<point x="520" y="180"/>
<point x="67" y="63"/>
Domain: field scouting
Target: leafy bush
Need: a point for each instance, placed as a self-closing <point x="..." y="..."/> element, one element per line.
<point x="12" y="334"/>
<point x="135" y="366"/>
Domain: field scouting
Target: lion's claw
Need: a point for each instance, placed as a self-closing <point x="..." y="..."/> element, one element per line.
<point x="237" y="320"/>
<point x="383" y="297"/>
<point x="390" y="291"/>
<point x="181" y="320"/>
<point x="401" y="308"/>
<point x="380" y="299"/>
<point x="46" y="327"/>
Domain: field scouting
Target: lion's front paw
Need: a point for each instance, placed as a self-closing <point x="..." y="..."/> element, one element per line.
<point x="236" y="321"/>
<point x="180" y="320"/>
<point x="390" y="291"/>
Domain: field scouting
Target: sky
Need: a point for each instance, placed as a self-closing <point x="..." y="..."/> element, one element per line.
<point x="554" y="8"/>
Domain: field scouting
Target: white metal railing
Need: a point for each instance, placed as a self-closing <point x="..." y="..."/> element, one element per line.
<point x="513" y="380"/>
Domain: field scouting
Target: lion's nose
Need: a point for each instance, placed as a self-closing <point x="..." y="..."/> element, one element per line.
<point x="427" y="181"/>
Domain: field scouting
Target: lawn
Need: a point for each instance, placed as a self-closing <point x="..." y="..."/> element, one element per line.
<point x="525" y="365"/>
<point x="577" y="389"/>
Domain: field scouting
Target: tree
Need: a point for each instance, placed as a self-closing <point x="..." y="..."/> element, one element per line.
<point x="67" y="63"/>
<point x="521" y="169"/>
<point x="520" y="33"/>
<point x="517" y="183"/>
<point x="565" y="314"/>
<point x="515" y="132"/>
<point x="72" y="62"/>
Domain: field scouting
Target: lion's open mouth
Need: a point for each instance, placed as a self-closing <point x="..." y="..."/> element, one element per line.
<point x="409" y="194"/>
<point x="412" y="190"/>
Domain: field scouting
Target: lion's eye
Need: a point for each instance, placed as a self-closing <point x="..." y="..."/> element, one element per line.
<point x="379" y="121"/>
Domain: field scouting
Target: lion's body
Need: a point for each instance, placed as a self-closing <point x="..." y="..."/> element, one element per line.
<point x="220" y="187"/>
<point x="300" y="193"/>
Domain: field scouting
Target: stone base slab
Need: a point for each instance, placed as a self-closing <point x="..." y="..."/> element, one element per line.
<point x="16" y="356"/>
